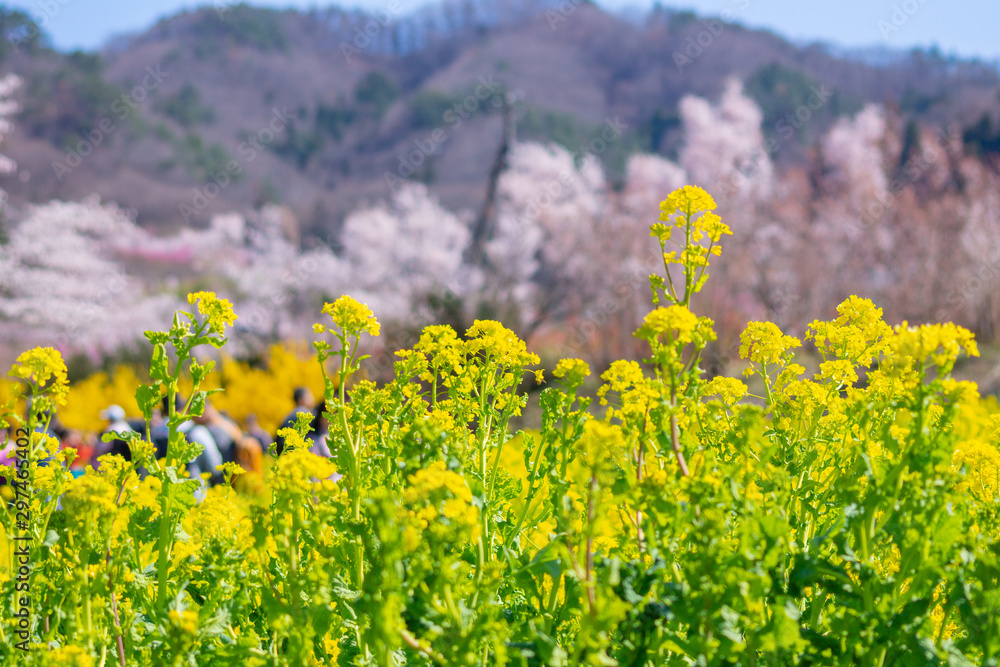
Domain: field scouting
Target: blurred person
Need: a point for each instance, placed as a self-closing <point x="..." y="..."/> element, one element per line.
<point x="234" y="445"/>
<point x="254" y="429"/>
<point x="158" y="430"/>
<point x="84" y="447"/>
<point x="320" y="431"/>
<point x="320" y="435"/>
<point x="304" y="402"/>
<point x="248" y="452"/>
<point x="138" y="424"/>
<point x="224" y="431"/>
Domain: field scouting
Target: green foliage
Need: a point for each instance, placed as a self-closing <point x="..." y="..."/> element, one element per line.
<point x="658" y="126"/>
<point x="200" y="159"/>
<point x="982" y="137"/>
<point x="679" y="20"/>
<point x="914" y="102"/>
<point x="267" y="193"/>
<point x="428" y="107"/>
<point x="19" y="32"/>
<point x="298" y="145"/>
<point x="61" y="105"/>
<point x="557" y="126"/>
<point x="333" y="119"/>
<point x="238" y="26"/>
<point x="186" y="107"/>
<point x="911" y="143"/>
<point x="546" y="125"/>
<point x="781" y="91"/>
<point x="376" y="89"/>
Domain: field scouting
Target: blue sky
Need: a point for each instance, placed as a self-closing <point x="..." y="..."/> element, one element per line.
<point x="963" y="27"/>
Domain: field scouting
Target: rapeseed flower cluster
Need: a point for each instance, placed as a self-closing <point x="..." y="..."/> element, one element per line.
<point x="218" y="313"/>
<point x="441" y="503"/>
<point x="940" y="343"/>
<point x="729" y="390"/>
<point x="687" y="200"/>
<point x="602" y="446"/>
<point x="673" y="324"/>
<point x="572" y="372"/>
<point x="842" y="520"/>
<point x="858" y="334"/>
<point x="90" y="500"/>
<point x="44" y="370"/>
<point x="637" y="394"/>
<point x="764" y="343"/>
<point x="495" y="342"/>
<point x="689" y="210"/>
<point x="443" y="351"/>
<point x="352" y="316"/>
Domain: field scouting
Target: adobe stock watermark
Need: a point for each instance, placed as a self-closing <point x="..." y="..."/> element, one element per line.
<point x="248" y="151"/>
<point x="94" y="310"/>
<point x="396" y="337"/>
<point x="611" y="131"/>
<point x="47" y="10"/>
<point x="365" y="34"/>
<point x="910" y="173"/>
<point x="983" y="281"/>
<point x="431" y="144"/>
<point x="121" y="109"/>
<point x="595" y="319"/>
<point x="784" y="130"/>
<point x="262" y="314"/>
<point x="712" y="28"/>
<point x="559" y="15"/>
<point x="901" y="14"/>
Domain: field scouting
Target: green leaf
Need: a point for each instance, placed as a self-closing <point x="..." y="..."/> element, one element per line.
<point x="147" y="396"/>
<point x="196" y="407"/>
<point x="158" y="365"/>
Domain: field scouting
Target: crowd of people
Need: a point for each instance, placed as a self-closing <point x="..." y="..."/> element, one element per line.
<point x="222" y="438"/>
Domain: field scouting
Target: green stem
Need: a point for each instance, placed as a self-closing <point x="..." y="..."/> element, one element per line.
<point x="675" y="433"/>
<point x="531" y="493"/>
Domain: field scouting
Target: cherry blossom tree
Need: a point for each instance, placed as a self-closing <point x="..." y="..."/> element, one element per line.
<point x="724" y="146"/>
<point x="544" y="255"/>
<point x="8" y="107"/>
<point x="402" y="254"/>
<point x="61" y="282"/>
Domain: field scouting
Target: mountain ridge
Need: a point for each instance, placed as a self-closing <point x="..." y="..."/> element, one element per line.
<point x="352" y="118"/>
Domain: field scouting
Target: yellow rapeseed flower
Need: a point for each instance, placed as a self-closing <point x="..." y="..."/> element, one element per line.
<point x="70" y="656"/>
<point x="499" y="343"/>
<point x="44" y="367"/>
<point x="602" y="445"/>
<point x="217" y="312"/>
<point x="673" y="324"/>
<point x="688" y="199"/>
<point x="729" y="390"/>
<point x="440" y="502"/>
<point x="572" y="371"/>
<point x="940" y="343"/>
<point x="840" y="371"/>
<point x="764" y="343"/>
<point x="186" y="621"/>
<point x="352" y="316"/>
